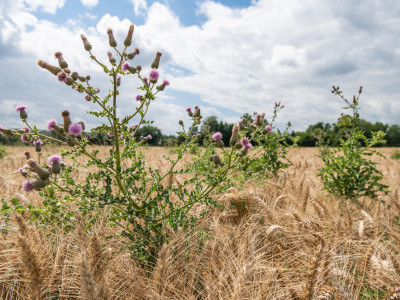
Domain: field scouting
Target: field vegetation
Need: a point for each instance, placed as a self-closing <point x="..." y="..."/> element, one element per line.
<point x="281" y="238"/>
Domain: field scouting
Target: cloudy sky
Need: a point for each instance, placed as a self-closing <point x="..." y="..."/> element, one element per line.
<point x="227" y="56"/>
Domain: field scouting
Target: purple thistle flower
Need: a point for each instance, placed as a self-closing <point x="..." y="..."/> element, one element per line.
<point x="254" y="123"/>
<point x="51" y="124"/>
<point x="125" y="66"/>
<point x="20" y="107"/>
<point x="166" y="82"/>
<point x="217" y="136"/>
<point x="87" y="97"/>
<point x="188" y="109"/>
<point x="109" y="134"/>
<point x="246" y="143"/>
<point x="75" y="129"/>
<point x="138" y="97"/>
<point x="62" y="76"/>
<point x="241" y="121"/>
<point x="268" y="128"/>
<point x="26" y="130"/>
<point x="96" y="90"/>
<point x="27" y="186"/>
<point x="154" y="75"/>
<point x="23" y="138"/>
<point x="149" y="137"/>
<point x="58" y="55"/>
<point x="137" y="51"/>
<point x="134" y="126"/>
<point x="54" y="158"/>
<point x="1" y="127"/>
<point x="145" y="80"/>
<point x="37" y="143"/>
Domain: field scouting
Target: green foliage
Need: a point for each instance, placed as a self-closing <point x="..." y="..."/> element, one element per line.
<point x="348" y="173"/>
<point x="3" y="151"/>
<point x="271" y="147"/>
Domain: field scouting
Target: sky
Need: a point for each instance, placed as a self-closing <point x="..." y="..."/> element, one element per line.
<point x="229" y="57"/>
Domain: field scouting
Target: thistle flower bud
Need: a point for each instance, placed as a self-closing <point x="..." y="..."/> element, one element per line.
<point x="82" y="125"/>
<point x="216" y="159"/>
<point x="41" y="172"/>
<point x="189" y="111"/>
<point x="87" y="77"/>
<point x="111" y="39"/>
<point x="259" y="119"/>
<point x="7" y="132"/>
<point x="58" y="129"/>
<point x="55" y="161"/>
<point x="156" y="61"/>
<point x="75" y="76"/>
<point x="111" y="58"/>
<point x="52" y="69"/>
<point x="70" y="142"/>
<point x="360" y="90"/>
<point x="67" y="120"/>
<point x="86" y="43"/>
<point x="139" y="68"/>
<point x="196" y="111"/>
<point x="23" y="172"/>
<point x="27" y="186"/>
<point x="61" y="61"/>
<point x="39" y="184"/>
<point x="235" y="135"/>
<point x="181" y="122"/>
<point x="38" y="145"/>
<point x="162" y="86"/>
<point x="81" y="78"/>
<point x="27" y="155"/>
<point x="118" y="80"/>
<point x="133" y="54"/>
<point x="128" y="39"/>
<point x="146" y="81"/>
<point x="267" y="129"/>
<point x="132" y="70"/>
<point x="62" y="76"/>
<point x="22" y="113"/>
<point x="69" y="80"/>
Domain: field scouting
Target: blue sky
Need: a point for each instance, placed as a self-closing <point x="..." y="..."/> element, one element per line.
<point x="229" y="57"/>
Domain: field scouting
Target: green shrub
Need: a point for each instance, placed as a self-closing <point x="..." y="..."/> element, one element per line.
<point x="348" y="173"/>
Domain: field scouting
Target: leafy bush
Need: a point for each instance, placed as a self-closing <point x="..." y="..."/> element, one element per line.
<point x="347" y="172"/>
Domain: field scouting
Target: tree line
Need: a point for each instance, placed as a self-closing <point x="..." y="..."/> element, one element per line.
<point x="316" y="134"/>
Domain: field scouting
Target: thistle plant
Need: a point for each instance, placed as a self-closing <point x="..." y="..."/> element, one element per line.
<point x="137" y="197"/>
<point x="270" y="146"/>
<point x="348" y="173"/>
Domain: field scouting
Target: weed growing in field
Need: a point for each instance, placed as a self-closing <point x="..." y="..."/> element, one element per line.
<point x="3" y="151"/>
<point x="347" y="172"/>
<point x="138" y="198"/>
<point x="271" y="146"/>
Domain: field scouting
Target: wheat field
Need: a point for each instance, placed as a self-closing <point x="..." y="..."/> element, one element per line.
<point x="284" y="238"/>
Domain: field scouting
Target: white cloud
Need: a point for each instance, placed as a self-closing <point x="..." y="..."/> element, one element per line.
<point x="49" y="6"/>
<point x="139" y="6"/>
<point x="89" y="3"/>
<point x="242" y="59"/>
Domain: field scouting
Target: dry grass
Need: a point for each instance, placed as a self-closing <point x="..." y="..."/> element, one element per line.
<point x="290" y="241"/>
